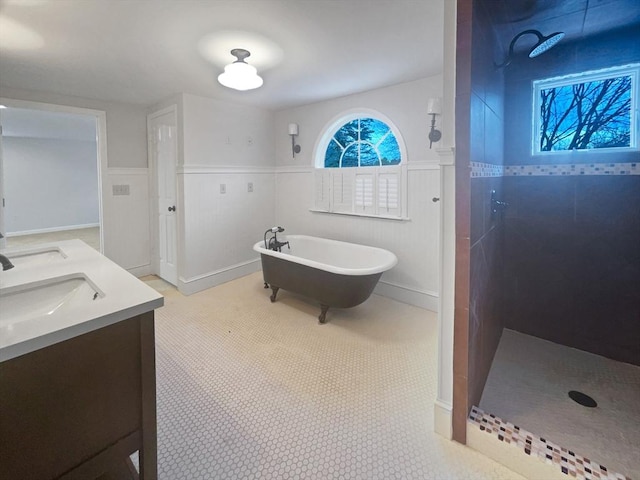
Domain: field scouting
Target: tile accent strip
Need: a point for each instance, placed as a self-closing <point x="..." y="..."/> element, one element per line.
<point x="479" y="170"/>
<point x="568" y="462"/>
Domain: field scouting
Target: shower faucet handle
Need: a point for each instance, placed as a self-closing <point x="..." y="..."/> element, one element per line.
<point x="497" y="205"/>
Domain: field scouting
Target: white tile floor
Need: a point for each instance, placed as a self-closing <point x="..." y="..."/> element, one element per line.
<point x="251" y="389"/>
<point x="528" y="386"/>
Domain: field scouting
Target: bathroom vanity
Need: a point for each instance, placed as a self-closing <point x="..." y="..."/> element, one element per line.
<point x="77" y="367"/>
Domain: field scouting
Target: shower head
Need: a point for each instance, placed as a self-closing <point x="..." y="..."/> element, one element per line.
<point x="543" y="44"/>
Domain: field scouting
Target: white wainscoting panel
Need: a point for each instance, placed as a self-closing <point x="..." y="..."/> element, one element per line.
<point x="415" y="241"/>
<point x="126" y="219"/>
<point x="220" y="229"/>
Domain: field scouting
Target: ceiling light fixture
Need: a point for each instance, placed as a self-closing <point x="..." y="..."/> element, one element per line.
<point x="544" y="44"/>
<point x="239" y="75"/>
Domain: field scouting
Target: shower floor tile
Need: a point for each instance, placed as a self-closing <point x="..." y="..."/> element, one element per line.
<point x="528" y="386"/>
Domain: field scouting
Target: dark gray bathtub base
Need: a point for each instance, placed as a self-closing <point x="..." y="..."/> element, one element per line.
<point x="331" y="290"/>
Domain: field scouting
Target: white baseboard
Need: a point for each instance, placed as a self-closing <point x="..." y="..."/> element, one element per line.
<point x="141" y="271"/>
<point x="197" y="284"/>
<point x="52" y="229"/>
<point x="426" y="300"/>
<point x="443" y="419"/>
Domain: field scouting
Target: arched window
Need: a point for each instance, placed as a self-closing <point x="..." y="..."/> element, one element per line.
<point x="360" y="168"/>
<point x="362" y="142"/>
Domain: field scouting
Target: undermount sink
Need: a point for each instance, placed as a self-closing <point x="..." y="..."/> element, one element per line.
<point x="46" y="298"/>
<point x="36" y="256"/>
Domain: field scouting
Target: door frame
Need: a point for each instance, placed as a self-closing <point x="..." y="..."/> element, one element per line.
<point x="101" y="139"/>
<point x="154" y="208"/>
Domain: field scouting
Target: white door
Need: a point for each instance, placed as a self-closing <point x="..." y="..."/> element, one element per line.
<point x="162" y="133"/>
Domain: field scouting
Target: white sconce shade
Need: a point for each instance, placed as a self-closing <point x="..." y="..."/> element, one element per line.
<point x="434" y="106"/>
<point x="239" y="75"/>
<point x="293" y="129"/>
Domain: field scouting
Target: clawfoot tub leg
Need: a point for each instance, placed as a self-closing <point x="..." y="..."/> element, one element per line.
<point x="323" y="313"/>
<point x="274" y="289"/>
<point x="266" y="285"/>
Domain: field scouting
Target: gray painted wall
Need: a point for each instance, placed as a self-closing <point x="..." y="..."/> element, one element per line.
<point x="49" y="184"/>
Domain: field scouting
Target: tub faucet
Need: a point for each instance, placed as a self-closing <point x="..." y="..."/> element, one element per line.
<point x="6" y="263"/>
<point x="273" y="243"/>
<point x="276" y="245"/>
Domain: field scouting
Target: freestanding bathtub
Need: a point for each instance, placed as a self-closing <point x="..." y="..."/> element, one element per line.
<point x="336" y="274"/>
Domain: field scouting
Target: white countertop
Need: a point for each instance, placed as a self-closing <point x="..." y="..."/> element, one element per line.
<point x="121" y="296"/>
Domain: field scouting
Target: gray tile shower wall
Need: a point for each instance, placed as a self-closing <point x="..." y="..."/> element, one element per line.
<point x="572" y="266"/>
<point x="486" y="232"/>
<point x="479" y="139"/>
<point x="615" y="48"/>
<point x="485" y="283"/>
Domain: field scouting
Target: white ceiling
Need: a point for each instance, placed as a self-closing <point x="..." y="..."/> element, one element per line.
<point x="143" y="51"/>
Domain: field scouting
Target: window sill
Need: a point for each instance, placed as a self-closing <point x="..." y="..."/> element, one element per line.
<point x="367" y="215"/>
<point x="587" y="151"/>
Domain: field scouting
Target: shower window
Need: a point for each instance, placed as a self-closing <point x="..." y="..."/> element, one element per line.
<point x="587" y="111"/>
<point x="359" y="167"/>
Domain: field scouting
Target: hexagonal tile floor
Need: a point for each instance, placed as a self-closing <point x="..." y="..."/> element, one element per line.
<point x="253" y="389"/>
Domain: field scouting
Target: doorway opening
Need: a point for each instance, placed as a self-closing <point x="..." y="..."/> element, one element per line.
<point x="51" y="171"/>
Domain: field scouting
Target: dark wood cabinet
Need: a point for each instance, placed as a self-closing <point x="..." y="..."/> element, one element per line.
<point x="79" y="408"/>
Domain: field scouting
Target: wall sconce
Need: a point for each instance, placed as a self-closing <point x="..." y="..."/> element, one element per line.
<point x="434" y="109"/>
<point x="293" y="131"/>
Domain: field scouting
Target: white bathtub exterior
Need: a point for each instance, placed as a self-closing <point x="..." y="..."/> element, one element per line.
<point x="332" y="255"/>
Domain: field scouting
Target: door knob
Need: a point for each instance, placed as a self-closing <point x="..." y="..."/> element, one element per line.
<point x="172" y="209"/>
<point x="435" y="199"/>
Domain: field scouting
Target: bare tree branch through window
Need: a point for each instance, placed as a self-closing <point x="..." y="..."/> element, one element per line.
<point x="587" y="115"/>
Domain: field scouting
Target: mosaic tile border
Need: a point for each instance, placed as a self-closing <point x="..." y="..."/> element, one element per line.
<point x="568" y="462"/>
<point x="483" y="170"/>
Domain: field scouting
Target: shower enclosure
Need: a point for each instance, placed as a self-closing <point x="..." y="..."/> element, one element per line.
<point x="560" y="265"/>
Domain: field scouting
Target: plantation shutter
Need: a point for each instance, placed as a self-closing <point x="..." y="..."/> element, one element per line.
<point x="322" y="181"/>
<point x="389" y="193"/>
<point x="342" y="190"/>
<point x="364" y="192"/>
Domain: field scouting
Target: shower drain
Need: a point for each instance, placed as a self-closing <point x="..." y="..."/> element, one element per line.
<point x="583" y="399"/>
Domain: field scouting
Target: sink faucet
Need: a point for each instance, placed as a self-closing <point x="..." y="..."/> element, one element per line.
<point x="6" y="263"/>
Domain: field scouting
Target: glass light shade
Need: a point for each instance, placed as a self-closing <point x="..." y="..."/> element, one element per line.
<point x="434" y="106"/>
<point x="240" y="76"/>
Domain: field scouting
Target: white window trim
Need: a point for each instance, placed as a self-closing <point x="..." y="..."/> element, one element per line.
<point x="632" y="70"/>
<point x="326" y="201"/>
